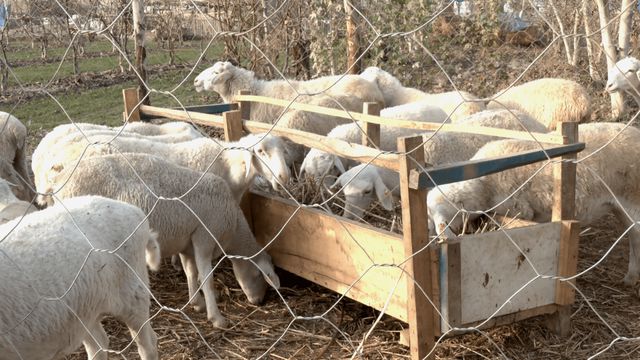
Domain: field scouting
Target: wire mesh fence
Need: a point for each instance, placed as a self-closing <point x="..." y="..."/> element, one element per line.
<point x="66" y="63"/>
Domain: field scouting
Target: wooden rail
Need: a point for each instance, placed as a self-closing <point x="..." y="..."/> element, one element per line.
<point x="426" y="126"/>
<point x="341" y="148"/>
<point x="466" y="170"/>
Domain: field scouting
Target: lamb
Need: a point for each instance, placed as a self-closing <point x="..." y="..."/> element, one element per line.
<point x="197" y="217"/>
<point x="457" y="104"/>
<point x="13" y="137"/>
<point x="66" y="267"/>
<point x="348" y="92"/>
<point x="10" y="206"/>
<point x="548" y="100"/>
<point x="168" y="132"/>
<point x="615" y="164"/>
<point x="237" y="163"/>
<point x="439" y="148"/>
<point x="623" y="76"/>
<point x="319" y="164"/>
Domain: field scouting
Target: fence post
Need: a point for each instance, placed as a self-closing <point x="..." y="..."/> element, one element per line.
<point x="371" y="135"/>
<point x="131" y="108"/>
<point x="232" y="125"/>
<point x="137" y="9"/>
<point x="245" y="106"/>
<point x="420" y="312"/>
<point x="564" y="195"/>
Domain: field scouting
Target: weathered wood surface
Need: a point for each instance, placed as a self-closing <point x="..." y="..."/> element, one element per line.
<point x="427" y="126"/>
<point x="420" y="294"/>
<point x="333" y="252"/>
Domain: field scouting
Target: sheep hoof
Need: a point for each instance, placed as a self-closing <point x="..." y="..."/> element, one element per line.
<point x="630" y="280"/>
<point x="199" y="304"/>
<point x="220" y="322"/>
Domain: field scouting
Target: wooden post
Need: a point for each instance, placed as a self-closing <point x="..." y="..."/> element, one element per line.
<point x="371" y="135"/>
<point x="131" y="107"/>
<point x="232" y="125"/>
<point x="564" y="198"/>
<point x="416" y="237"/>
<point x="245" y="106"/>
<point x="139" y="28"/>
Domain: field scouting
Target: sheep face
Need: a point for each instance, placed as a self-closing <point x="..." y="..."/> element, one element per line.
<point x="269" y="158"/>
<point x="319" y="164"/>
<point x="361" y="186"/>
<point x="254" y="280"/>
<point x="386" y="82"/>
<point x="623" y="76"/>
<point x="444" y="217"/>
<point x="215" y="77"/>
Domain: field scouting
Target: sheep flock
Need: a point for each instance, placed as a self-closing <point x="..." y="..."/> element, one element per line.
<point x="103" y="205"/>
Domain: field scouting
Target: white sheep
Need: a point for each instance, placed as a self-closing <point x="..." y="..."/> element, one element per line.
<point x="614" y="163"/>
<point x="548" y="100"/>
<point x="10" y="206"/>
<point x="347" y="92"/>
<point x="439" y="148"/>
<point x="237" y="163"/>
<point x="65" y="268"/>
<point x="457" y="104"/>
<point x="62" y="134"/>
<point x="319" y="164"/>
<point x="623" y="76"/>
<point x="197" y="218"/>
<point x="13" y="142"/>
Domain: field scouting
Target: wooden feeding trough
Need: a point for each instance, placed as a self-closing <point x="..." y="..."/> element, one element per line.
<point x="438" y="288"/>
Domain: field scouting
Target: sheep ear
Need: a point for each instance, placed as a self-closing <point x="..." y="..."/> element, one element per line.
<point x="338" y="164"/>
<point x="384" y="195"/>
<point x="248" y="160"/>
<point x="268" y="272"/>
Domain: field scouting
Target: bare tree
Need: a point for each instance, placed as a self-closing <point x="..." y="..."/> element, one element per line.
<point x="624" y="31"/>
<point x="354" y="65"/>
<point x="617" y="101"/>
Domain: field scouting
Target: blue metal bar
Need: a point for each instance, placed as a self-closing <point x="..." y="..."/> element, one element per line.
<point x="476" y="168"/>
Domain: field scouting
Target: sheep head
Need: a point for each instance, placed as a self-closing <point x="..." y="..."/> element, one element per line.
<point x="623" y="76"/>
<point x="386" y="83"/>
<point x="254" y="276"/>
<point x="268" y="157"/>
<point x="318" y="164"/>
<point x="361" y="186"/>
<point x="224" y="78"/>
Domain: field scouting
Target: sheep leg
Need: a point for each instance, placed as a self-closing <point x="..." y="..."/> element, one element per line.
<point x="203" y="248"/>
<point x="95" y="341"/>
<point x="633" y="272"/>
<point x="143" y="334"/>
<point x="191" y="271"/>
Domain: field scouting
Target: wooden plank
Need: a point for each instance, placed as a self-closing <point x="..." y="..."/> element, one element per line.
<point x="232" y="121"/>
<point x="493" y="269"/>
<point x="564" y="176"/>
<point x="245" y="106"/>
<point x="482" y="130"/>
<point x="513" y="223"/>
<point x="496" y="321"/>
<point x="371" y="135"/>
<point x="567" y="261"/>
<point x="471" y="169"/>
<point x="416" y="238"/>
<point x="454" y="283"/>
<point x="344" y="149"/>
<point x="564" y="195"/>
<point x="333" y="252"/>
<point x="131" y="108"/>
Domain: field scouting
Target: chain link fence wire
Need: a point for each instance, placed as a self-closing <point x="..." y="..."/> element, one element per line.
<point x="480" y="47"/>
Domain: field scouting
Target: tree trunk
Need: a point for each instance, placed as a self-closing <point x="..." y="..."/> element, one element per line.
<point x="624" y="32"/>
<point x="565" y="39"/>
<point x="137" y="7"/>
<point x="617" y="101"/>
<point x="354" y="65"/>
<point x="587" y="30"/>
